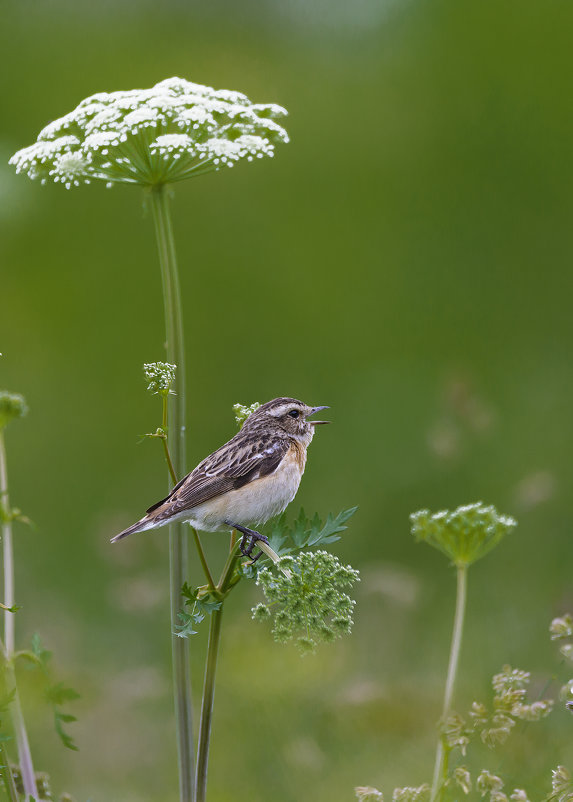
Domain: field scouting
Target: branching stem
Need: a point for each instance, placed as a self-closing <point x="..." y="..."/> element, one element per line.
<point x="441" y="763"/>
<point x="223" y="587"/>
<point x="24" y="754"/>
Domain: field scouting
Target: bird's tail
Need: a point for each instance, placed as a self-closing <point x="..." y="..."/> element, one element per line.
<point x="139" y="526"/>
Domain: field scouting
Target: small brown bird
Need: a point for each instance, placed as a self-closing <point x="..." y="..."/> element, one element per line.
<point x="250" y="479"/>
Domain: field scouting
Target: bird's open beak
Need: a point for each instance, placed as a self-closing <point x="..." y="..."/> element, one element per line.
<point x="317" y="422"/>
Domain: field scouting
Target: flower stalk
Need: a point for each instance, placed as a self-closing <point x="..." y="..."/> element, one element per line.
<point x="178" y="551"/>
<point x="23" y="745"/>
<point x="441" y="762"/>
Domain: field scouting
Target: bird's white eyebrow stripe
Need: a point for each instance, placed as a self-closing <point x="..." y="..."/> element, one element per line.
<point x="280" y="411"/>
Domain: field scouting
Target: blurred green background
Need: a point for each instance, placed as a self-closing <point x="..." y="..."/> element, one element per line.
<point x="406" y="261"/>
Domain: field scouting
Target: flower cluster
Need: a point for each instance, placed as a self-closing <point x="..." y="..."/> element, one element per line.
<point x="366" y="793"/>
<point x="174" y="130"/>
<point x="12" y="406"/>
<point x="159" y="377"/>
<point x="464" y="535"/>
<point x="409" y="793"/>
<point x="242" y="412"/>
<point x="561" y="629"/>
<point x="310" y="603"/>
<point x="491" y="785"/>
<point x="509" y="706"/>
<point x="561" y="785"/>
<point x="420" y="793"/>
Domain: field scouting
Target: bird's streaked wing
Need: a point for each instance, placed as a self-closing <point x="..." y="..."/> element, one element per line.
<point x="240" y="461"/>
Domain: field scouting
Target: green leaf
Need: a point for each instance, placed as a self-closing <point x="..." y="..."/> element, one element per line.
<point x="6" y="701"/>
<point x="12" y="609"/>
<point x="202" y="603"/>
<point x="43" y="655"/>
<point x="185" y="629"/>
<point x="59" y="720"/>
<point x="59" y="694"/>
<point x="329" y="533"/>
<point x="306" y="532"/>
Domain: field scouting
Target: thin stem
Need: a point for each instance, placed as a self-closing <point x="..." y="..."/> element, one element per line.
<point x="170" y="467"/>
<point x="202" y="557"/>
<point x="440" y="766"/>
<point x="7" y="775"/>
<point x="24" y="753"/>
<point x="174" y="479"/>
<point x="178" y="554"/>
<point x="224" y="588"/>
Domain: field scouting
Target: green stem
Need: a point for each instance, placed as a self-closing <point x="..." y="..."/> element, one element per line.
<point x="441" y="764"/>
<point x="24" y="753"/>
<point x="207" y="703"/>
<point x="174" y="479"/>
<point x="224" y="588"/>
<point x="7" y="775"/>
<point x="178" y="554"/>
<point x="166" y="451"/>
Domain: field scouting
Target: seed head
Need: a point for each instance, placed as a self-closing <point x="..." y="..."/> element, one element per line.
<point x="242" y="412"/>
<point x="561" y="785"/>
<point x="420" y="793"/>
<point x="463" y="778"/>
<point x="159" y="377"/>
<point x="464" y="535"/>
<point x="561" y="627"/>
<point x="488" y="783"/>
<point x="365" y="793"/>
<point x="12" y="406"/>
<point x="175" y="130"/>
<point x="305" y="594"/>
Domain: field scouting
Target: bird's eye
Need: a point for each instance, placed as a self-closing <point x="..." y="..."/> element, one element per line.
<point x="294" y="413"/>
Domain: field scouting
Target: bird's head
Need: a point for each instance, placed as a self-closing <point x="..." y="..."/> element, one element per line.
<point x="288" y="415"/>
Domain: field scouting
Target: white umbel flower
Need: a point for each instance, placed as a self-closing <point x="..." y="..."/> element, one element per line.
<point x="170" y="132"/>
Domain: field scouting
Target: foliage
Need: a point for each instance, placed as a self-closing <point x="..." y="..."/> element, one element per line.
<point x="307" y="533"/>
<point x="201" y="603"/>
<point x="56" y="694"/>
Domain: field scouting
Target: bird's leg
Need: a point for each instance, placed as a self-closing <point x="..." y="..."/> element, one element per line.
<point x="249" y="540"/>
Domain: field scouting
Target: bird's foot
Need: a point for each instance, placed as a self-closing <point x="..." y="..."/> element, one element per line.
<point x="249" y="541"/>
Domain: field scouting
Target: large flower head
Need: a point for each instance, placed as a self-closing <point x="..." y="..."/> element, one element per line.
<point x="170" y="132"/>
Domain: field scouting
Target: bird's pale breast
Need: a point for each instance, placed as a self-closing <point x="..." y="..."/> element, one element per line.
<point x="257" y="501"/>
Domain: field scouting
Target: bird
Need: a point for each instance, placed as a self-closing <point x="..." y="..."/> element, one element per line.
<point x="247" y="481"/>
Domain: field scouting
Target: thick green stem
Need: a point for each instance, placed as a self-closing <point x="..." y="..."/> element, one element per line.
<point x="224" y="588"/>
<point x="177" y="540"/>
<point x="24" y="753"/>
<point x="440" y="766"/>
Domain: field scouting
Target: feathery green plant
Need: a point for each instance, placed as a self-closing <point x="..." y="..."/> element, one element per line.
<point x="305" y="589"/>
<point x="465" y="535"/>
<point x="21" y="780"/>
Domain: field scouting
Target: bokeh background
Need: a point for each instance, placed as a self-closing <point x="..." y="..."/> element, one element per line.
<point x="406" y="260"/>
